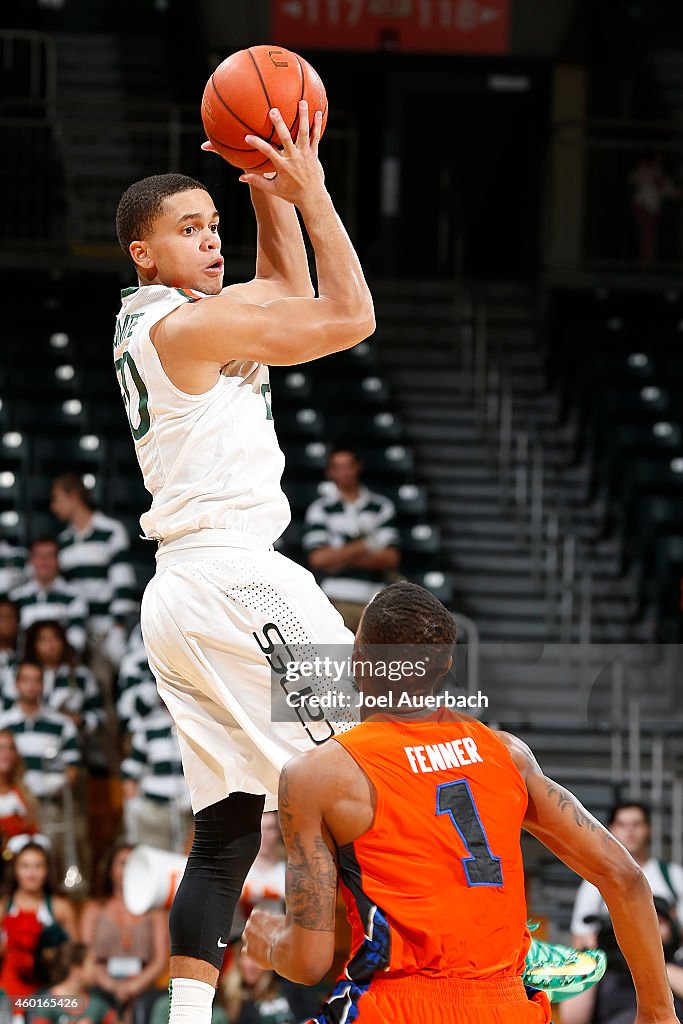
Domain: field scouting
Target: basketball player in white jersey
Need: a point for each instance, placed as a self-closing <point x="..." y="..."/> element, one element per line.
<point x="191" y="358"/>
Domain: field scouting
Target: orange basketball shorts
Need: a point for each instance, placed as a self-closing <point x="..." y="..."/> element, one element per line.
<point x="411" y="998"/>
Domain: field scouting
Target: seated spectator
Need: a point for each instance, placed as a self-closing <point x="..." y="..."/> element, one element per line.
<point x="67" y="686"/>
<point x="9" y="636"/>
<point x="93" y="557"/>
<point x="48" y="596"/>
<point x="157" y="808"/>
<point x="48" y="743"/>
<point x="351" y="538"/>
<point x="137" y="690"/>
<point x="129" y="952"/>
<point x="46" y="739"/>
<point x="629" y="822"/>
<point x="63" y="966"/>
<point x="13" y="568"/>
<point x="251" y="995"/>
<point x="29" y="915"/>
<point x="613" y="999"/>
<point x="18" y="807"/>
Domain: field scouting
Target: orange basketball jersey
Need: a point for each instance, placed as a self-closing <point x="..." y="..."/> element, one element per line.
<point x="436" y="886"/>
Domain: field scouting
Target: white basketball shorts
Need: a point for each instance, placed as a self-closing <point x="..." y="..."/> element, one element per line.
<point x="209" y="618"/>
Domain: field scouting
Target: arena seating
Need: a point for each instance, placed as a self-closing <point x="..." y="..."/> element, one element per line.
<point x="618" y="357"/>
<point x="61" y="410"/>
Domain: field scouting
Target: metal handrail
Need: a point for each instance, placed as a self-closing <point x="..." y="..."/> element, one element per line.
<point x="656" y="794"/>
<point x="567" y="595"/>
<point x="536" y="511"/>
<point x="617" y="717"/>
<point x="505" y="441"/>
<point x="473" y="644"/>
<point x="677" y="820"/>
<point x="634" y="747"/>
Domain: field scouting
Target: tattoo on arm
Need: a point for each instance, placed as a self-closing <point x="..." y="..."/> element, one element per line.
<point x="311" y="874"/>
<point x="566" y="800"/>
<point x="311" y="885"/>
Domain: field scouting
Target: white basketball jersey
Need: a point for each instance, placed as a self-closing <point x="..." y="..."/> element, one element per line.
<point x="210" y="461"/>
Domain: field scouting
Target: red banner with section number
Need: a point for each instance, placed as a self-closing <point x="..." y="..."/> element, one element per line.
<point x="427" y="26"/>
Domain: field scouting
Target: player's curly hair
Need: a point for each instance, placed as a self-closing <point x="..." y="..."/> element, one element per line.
<point x="405" y="623"/>
<point x="405" y="613"/>
<point x="142" y="202"/>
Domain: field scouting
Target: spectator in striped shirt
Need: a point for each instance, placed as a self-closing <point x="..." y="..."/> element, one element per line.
<point x="156" y="798"/>
<point x="13" y="568"/>
<point x="351" y="538"/>
<point x="9" y="636"/>
<point x="94" y="558"/>
<point x="137" y="693"/>
<point x="67" y="686"/>
<point x="46" y="739"/>
<point x="49" y="596"/>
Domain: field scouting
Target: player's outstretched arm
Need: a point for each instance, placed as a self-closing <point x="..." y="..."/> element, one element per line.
<point x="560" y="822"/>
<point x="287" y="330"/>
<point x="300" y="945"/>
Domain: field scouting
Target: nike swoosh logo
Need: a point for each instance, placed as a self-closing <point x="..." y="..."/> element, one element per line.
<point x="221" y="945"/>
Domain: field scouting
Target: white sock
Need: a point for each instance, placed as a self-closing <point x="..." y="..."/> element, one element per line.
<point x="190" y="1001"/>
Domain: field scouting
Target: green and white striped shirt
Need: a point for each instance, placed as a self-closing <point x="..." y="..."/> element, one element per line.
<point x="48" y="743"/>
<point x="67" y="689"/>
<point x="154" y="761"/>
<point x="57" y="601"/>
<point x="13" y="567"/>
<point x="96" y="563"/>
<point x="138" y="696"/>
<point x="331" y="521"/>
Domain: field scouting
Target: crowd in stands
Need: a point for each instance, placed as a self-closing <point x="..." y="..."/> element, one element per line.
<point x="77" y="700"/>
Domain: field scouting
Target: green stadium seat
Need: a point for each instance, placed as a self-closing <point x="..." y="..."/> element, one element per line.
<point x="290" y="387"/>
<point x="54" y="455"/>
<point x="364" y="427"/>
<point x="306" y="459"/>
<point x="14" y="527"/>
<point x="305" y="422"/>
<point x="362" y="392"/>
<point x="14" y="451"/>
<point x="64" y="417"/>
<point x="301" y="492"/>
<point x="108" y="419"/>
<point x="439" y="583"/>
<point x="624" y="443"/>
<point x="392" y="462"/>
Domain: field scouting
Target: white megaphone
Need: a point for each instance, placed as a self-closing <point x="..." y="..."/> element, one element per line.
<point x="151" y="878"/>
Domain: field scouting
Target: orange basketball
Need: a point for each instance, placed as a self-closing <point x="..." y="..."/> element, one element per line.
<point x="244" y="88"/>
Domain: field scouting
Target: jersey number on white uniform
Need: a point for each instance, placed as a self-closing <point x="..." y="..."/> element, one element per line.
<point x="134" y="395"/>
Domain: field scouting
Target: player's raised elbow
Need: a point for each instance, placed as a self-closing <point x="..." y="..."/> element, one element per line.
<point x="624" y="879"/>
<point x="352" y="327"/>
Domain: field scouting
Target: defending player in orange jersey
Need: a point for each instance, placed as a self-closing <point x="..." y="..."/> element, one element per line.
<point x="420" y="815"/>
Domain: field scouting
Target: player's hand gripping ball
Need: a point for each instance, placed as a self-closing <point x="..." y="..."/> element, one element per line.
<point x="243" y="90"/>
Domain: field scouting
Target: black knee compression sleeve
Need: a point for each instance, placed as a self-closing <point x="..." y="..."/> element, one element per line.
<point x="227" y="836"/>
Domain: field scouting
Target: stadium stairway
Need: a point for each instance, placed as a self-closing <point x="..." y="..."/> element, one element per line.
<point x="570" y="707"/>
<point x="419" y="340"/>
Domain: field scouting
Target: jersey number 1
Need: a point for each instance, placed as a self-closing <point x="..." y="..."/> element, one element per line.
<point x="456" y="800"/>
